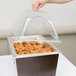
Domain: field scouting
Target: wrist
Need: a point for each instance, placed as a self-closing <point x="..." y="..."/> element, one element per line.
<point x="50" y="1"/>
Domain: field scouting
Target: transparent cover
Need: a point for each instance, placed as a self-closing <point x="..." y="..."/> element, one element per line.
<point x="38" y="26"/>
<point x="37" y="23"/>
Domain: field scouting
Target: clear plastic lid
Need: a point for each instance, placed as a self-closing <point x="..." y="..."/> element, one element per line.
<point x="37" y="23"/>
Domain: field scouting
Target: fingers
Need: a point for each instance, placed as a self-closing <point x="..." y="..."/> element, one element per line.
<point x="40" y="7"/>
<point x="35" y="5"/>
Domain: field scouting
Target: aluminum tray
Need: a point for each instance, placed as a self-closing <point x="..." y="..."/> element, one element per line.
<point x="30" y="38"/>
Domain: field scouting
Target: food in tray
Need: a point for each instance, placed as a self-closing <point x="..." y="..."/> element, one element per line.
<point x="32" y="47"/>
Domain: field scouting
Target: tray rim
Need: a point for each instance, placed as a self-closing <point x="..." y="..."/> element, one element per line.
<point x="16" y="56"/>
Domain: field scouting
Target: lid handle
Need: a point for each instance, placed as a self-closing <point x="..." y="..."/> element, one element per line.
<point x="45" y="16"/>
<point x="25" y="26"/>
<point x="51" y="23"/>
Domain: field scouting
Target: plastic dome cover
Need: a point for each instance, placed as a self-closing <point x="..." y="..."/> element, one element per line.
<point x="37" y="23"/>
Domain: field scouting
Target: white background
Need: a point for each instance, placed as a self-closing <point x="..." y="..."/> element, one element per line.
<point x="12" y="10"/>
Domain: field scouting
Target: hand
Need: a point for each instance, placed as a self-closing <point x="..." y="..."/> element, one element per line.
<point x="37" y="4"/>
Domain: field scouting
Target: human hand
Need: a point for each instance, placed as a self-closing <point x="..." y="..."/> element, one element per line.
<point x="37" y="4"/>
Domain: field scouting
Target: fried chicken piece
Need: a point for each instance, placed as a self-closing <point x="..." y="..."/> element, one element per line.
<point x="27" y="52"/>
<point x="34" y="51"/>
<point x="46" y="45"/>
<point x="15" y="44"/>
<point x="20" y="53"/>
<point x="32" y="47"/>
<point x="24" y="43"/>
<point x="45" y="50"/>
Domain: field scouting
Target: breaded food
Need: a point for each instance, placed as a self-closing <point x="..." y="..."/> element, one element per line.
<point x="32" y="47"/>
